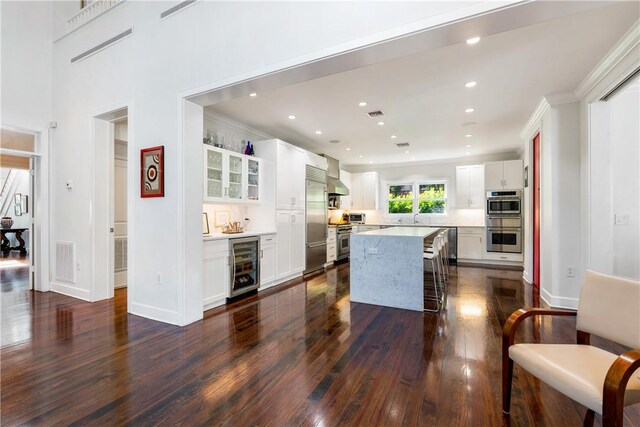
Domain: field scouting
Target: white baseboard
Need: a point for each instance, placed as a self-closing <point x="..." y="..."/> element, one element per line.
<point x="155" y="313"/>
<point x="71" y="291"/>
<point x="526" y="277"/>
<point x="559" y="302"/>
<point x="213" y="302"/>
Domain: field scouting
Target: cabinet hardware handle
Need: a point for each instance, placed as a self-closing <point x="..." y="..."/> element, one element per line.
<point x="261" y="253"/>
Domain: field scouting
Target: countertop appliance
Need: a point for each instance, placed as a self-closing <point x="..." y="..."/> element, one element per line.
<point x="335" y="187"/>
<point x="343" y="235"/>
<point x="245" y="265"/>
<point x="357" y="218"/>
<point x="504" y="202"/>
<point x="316" y="219"/>
<point x="504" y="221"/>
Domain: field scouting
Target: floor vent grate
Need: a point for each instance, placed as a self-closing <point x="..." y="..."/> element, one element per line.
<point x="65" y="261"/>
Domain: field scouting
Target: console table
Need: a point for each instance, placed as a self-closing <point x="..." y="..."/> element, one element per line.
<point x="6" y="244"/>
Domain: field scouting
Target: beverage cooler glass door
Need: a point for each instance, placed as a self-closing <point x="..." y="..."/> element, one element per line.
<point x="245" y="265"/>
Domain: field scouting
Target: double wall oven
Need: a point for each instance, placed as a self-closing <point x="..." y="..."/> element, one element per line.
<point x="504" y="221"/>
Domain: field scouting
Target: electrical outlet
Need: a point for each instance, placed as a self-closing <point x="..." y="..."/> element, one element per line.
<point x="373" y="250"/>
<point x="160" y="281"/>
<point x="78" y="265"/>
<point x="571" y="271"/>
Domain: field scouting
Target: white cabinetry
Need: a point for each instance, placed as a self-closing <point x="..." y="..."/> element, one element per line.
<point x="364" y="190"/>
<point x="470" y="243"/>
<point x="267" y="261"/>
<point x="331" y="244"/>
<point x="230" y="176"/>
<point x="290" y="257"/>
<point x="215" y="288"/>
<point x="470" y="186"/>
<point x="507" y="175"/>
<point x="290" y="176"/>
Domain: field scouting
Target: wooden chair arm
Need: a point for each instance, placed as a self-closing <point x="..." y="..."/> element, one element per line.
<point x="512" y="323"/>
<point x="615" y="384"/>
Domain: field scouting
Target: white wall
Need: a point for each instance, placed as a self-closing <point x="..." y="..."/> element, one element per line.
<point x="625" y="193"/>
<point x="26" y="63"/>
<point x="615" y="184"/>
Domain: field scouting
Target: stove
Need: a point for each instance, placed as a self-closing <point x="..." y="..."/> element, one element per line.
<point x="343" y="232"/>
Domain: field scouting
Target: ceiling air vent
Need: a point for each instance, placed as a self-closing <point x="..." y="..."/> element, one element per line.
<point x="402" y="144"/>
<point x="374" y="114"/>
<point x="176" y="8"/>
<point x="103" y="45"/>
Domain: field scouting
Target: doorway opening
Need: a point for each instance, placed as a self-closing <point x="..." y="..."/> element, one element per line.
<point x="111" y="205"/>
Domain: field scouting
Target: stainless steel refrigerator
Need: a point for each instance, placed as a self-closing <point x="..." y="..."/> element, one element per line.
<point x="316" y="219"/>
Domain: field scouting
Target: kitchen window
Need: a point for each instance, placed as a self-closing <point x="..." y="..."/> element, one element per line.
<point x="400" y="198"/>
<point x="432" y="198"/>
<point x="417" y="198"/>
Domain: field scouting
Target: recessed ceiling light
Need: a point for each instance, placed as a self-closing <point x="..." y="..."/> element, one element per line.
<point x="413" y="158"/>
<point x="318" y="132"/>
<point x="473" y="40"/>
<point x="469" y="110"/>
<point x="360" y="156"/>
<point x="362" y="104"/>
<point x="468" y="135"/>
<point x="407" y="151"/>
<point x="468" y="146"/>
<point x="470" y="84"/>
<point x="370" y="161"/>
<point x="393" y="137"/>
<point x="467" y="153"/>
<point x="292" y="117"/>
<point x="348" y="149"/>
<point x="381" y="123"/>
<point x="253" y="94"/>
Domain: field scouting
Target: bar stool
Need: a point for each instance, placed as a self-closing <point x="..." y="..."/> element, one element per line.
<point x="432" y="255"/>
<point x="442" y="240"/>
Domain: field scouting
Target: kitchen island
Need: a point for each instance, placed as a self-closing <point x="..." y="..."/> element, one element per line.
<point x="387" y="267"/>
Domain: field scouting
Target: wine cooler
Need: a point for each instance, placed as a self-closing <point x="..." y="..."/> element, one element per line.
<point x="245" y="265"/>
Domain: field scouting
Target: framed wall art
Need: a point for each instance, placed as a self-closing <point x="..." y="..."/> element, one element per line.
<point x="152" y="172"/>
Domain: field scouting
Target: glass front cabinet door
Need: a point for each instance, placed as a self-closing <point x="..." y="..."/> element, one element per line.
<point x="230" y="176"/>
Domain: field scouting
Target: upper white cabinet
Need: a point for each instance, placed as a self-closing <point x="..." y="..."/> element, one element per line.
<point x="507" y="175"/>
<point x="364" y="190"/>
<point x="470" y="186"/>
<point x="230" y="176"/>
<point x="290" y="176"/>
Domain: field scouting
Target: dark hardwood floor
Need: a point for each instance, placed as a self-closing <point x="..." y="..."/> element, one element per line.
<point x="299" y="354"/>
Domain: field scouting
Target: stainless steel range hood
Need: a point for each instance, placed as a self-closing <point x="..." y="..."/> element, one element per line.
<point x="335" y="187"/>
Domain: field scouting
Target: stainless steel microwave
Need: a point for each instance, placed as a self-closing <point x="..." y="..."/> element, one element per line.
<point x="504" y="203"/>
<point x="357" y="218"/>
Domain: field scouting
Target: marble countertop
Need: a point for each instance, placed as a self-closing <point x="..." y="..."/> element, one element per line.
<point x="450" y="224"/>
<point x="421" y="232"/>
<point x="221" y="236"/>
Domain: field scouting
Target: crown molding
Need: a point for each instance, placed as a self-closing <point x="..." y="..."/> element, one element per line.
<point x="235" y="124"/>
<point x="626" y="45"/>
<point x="561" y="98"/>
<point x="533" y="124"/>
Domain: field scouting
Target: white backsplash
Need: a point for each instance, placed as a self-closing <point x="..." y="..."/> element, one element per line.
<point x="461" y="217"/>
<point x="223" y="211"/>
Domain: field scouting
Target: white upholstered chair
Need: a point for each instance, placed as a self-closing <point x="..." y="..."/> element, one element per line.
<point x="604" y="382"/>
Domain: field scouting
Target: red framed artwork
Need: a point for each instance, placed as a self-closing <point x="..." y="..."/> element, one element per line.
<point x="152" y="172"/>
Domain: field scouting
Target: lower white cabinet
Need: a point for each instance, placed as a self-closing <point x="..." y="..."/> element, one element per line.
<point x="290" y="258"/>
<point x="215" y="288"/>
<point x="331" y="244"/>
<point x="267" y="261"/>
<point x="470" y="243"/>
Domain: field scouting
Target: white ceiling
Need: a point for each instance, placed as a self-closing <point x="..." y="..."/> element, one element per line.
<point x="423" y="96"/>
